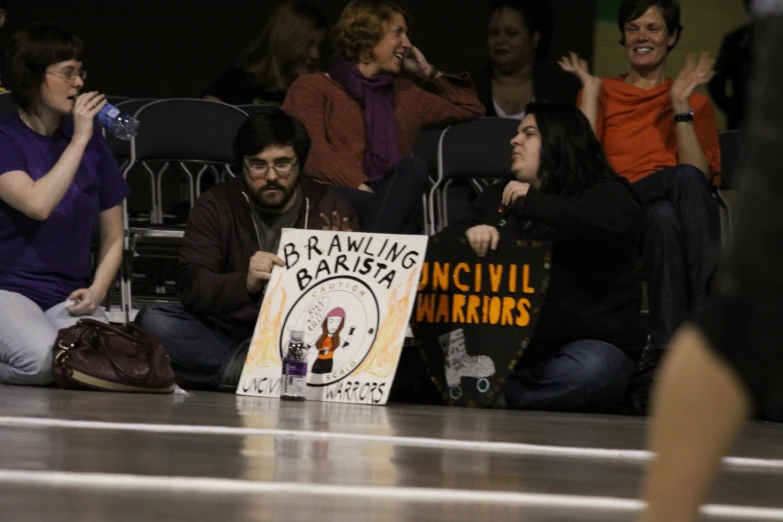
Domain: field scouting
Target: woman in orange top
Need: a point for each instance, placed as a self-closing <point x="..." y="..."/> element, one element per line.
<point x="662" y="137"/>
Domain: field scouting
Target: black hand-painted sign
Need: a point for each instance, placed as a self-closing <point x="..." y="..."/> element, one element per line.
<point x="474" y="317"/>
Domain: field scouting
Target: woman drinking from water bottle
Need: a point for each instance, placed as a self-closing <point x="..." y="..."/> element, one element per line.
<point x="59" y="185"/>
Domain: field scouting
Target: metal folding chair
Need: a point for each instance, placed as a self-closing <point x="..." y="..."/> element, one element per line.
<point x="731" y="148"/>
<point x="477" y="151"/>
<point x="186" y="136"/>
<point x="7" y="103"/>
<point x="426" y="148"/>
<point x="251" y="109"/>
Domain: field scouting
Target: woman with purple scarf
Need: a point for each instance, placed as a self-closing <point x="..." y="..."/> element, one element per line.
<point x="363" y="118"/>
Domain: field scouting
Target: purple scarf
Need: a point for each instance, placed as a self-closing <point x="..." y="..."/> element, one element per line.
<point x="376" y="96"/>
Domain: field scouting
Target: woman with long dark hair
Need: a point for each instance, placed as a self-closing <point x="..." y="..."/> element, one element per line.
<point x="589" y="330"/>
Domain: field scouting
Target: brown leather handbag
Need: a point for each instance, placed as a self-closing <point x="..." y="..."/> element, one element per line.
<point x="97" y="356"/>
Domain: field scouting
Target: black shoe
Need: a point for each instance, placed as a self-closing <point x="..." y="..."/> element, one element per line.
<point x="650" y="360"/>
<point x="231" y="372"/>
<point x="637" y="397"/>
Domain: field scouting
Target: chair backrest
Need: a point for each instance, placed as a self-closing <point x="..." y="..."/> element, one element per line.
<point x="132" y="106"/>
<point x="477" y="149"/>
<point x="115" y="99"/>
<point x="426" y="147"/>
<point x="141" y="199"/>
<point x="731" y="149"/>
<point x="119" y="148"/>
<point x="251" y="109"/>
<point x="186" y="129"/>
<point x="7" y="103"/>
<point x="191" y="136"/>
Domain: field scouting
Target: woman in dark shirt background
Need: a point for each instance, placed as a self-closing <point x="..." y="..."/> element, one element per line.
<point x="290" y="45"/>
<point x="518" y="42"/>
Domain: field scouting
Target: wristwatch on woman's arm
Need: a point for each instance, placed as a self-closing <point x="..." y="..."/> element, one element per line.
<point x="684" y="117"/>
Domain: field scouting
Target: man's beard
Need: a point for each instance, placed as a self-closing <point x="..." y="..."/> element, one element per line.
<point x="257" y="195"/>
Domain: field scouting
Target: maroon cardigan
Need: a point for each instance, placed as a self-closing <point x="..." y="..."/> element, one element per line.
<point x="335" y="121"/>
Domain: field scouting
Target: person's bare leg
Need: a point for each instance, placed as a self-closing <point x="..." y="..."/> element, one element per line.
<point x="699" y="407"/>
<point x="700" y="403"/>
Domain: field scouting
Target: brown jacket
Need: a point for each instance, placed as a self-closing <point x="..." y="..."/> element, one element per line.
<point x="219" y="242"/>
<point x="335" y="121"/>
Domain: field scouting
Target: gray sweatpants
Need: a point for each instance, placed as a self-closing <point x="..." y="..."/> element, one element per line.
<point x="27" y="336"/>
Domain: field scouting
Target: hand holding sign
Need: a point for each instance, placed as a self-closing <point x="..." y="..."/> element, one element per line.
<point x="260" y="269"/>
<point x="475" y="318"/>
<point x="483" y="238"/>
<point x="351" y="295"/>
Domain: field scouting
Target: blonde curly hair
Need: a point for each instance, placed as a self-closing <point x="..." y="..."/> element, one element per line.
<point x="362" y="25"/>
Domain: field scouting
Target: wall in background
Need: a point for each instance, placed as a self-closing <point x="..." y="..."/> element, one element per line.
<point x="165" y="48"/>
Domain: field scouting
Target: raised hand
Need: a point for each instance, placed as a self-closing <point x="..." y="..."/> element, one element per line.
<point x="335" y="224"/>
<point x="694" y="73"/>
<point x="417" y="65"/>
<point x="578" y="67"/>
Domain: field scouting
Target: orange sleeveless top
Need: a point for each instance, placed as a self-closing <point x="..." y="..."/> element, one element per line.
<point x="326" y="345"/>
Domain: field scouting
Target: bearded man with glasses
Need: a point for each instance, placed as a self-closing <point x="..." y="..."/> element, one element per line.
<point x="229" y="249"/>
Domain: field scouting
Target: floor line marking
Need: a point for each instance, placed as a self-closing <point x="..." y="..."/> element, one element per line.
<point x="422" y="442"/>
<point x="202" y="485"/>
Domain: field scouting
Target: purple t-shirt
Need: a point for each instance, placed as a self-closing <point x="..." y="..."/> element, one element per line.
<point x="47" y="260"/>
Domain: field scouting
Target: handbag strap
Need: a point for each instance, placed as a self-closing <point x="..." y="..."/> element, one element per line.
<point x="141" y="335"/>
<point x="118" y="368"/>
<point x="137" y="335"/>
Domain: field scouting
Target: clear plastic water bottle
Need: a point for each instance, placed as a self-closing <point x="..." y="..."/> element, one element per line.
<point x="293" y="385"/>
<point x="121" y="125"/>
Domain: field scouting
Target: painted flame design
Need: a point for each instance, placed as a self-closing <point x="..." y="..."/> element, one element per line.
<point x="382" y="361"/>
<point x="263" y="351"/>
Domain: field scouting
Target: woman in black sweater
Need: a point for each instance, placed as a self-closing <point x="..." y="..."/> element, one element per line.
<point x="589" y="331"/>
<point x="517" y="72"/>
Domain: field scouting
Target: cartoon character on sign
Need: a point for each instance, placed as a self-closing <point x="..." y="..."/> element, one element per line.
<point x="339" y="317"/>
<point x="330" y="340"/>
<point x="459" y="364"/>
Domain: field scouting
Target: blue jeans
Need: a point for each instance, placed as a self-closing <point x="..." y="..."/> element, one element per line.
<point x="396" y="201"/>
<point x="680" y="244"/>
<point x="198" y="346"/>
<point x="581" y="376"/>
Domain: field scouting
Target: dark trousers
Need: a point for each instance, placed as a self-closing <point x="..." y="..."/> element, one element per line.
<point x="680" y="244"/>
<point x="199" y="347"/>
<point x="586" y="375"/>
<point x="395" y="205"/>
